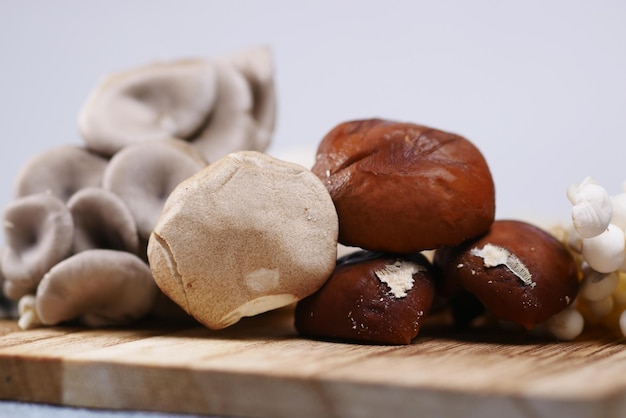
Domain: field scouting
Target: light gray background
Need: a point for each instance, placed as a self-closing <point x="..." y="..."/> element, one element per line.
<point x="539" y="86"/>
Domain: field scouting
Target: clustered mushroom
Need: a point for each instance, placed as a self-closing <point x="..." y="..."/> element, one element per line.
<point x="171" y="207"/>
<point x="401" y="189"/>
<point x="596" y="238"/>
<point x="77" y="229"/>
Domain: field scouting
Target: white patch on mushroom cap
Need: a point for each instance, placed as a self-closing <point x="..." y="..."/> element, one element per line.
<point x="494" y="255"/>
<point x="262" y="280"/>
<point x="399" y="276"/>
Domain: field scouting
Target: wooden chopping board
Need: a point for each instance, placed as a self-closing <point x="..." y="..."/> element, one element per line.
<point x="260" y="367"/>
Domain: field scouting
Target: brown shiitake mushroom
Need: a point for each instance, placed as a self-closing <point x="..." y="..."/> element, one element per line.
<point x="401" y="187"/>
<point x="517" y="271"/>
<point x="370" y="297"/>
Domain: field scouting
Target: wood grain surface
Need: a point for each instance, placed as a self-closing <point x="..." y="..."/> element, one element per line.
<point x="261" y="367"/>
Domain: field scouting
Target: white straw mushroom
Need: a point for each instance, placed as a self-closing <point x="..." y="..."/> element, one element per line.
<point x="98" y="288"/>
<point x="566" y="325"/>
<point x="153" y="102"/>
<point x="599" y="309"/>
<point x="597" y="286"/>
<point x="247" y="234"/>
<point x="592" y="209"/>
<point x="61" y="171"/>
<point x="27" y="312"/>
<point x="143" y="175"/>
<point x="245" y="110"/>
<point x="606" y="252"/>
<point x="622" y="323"/>
<point x="102" y="220"/>
<point x="39" y="231"/>
<point x="619" y="210"/>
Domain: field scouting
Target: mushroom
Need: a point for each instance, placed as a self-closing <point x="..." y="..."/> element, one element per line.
<point x="27" y="312"/>
<point x="98" y="288"/>
<point x="565" y="325"/>
<point x="61" y="171"/>
<point x="245" y="110"/>
<point x="153" y="102"/>
<point x="39" y="231"/>
<point x="220" y="106"/>
<point x="247" y="234"/>
<point x="7" y="307"/>
<point x="102" y="220"/>
<point x="606" y="252"/>
<point x="592" y="208"/>
<point x="144" y="174"/>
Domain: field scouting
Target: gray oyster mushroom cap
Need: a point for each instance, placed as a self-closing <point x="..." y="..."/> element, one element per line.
<point x="8" y="308"/>
<point x="98" y="288"/>
<point x="221" y="105"/>
<point x="152" y="102"/>
<point x="143" y="176"/>
<point x="38" y="231"/>
<point x="245" y="110"/>
<point x="102" y="221"/>
<point x="247" y="234"/>
<point x="61" y="171"/>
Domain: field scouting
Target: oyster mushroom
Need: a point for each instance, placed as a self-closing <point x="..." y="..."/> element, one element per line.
<point x="143" y="175"/>
<point x="153" y="102"/>
<point x="7" y="307"/>
<point x="245" y="110"/>
<point x="61" y="171"/>
<point x="98" y="288"/>
<point x="39" y="231"/>
<point x="102" y="220"/>
<point x="222" y="105"/>
<point x="247" y="234"/>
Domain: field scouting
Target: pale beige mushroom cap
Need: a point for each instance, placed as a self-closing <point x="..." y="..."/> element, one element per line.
<point x="152" y="102"/>
<point x="247" y="234"/>
<point x="97" y="288"/>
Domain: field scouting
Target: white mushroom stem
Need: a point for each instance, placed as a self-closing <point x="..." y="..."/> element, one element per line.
<point x="102" y="220"/>
<point x="600" y="308"/>
<point x="144" y="175"/>
<point x="97" y="288"/>
<point x="606" y="252"/>
<point x="619" y="210"/>
<point x="566" y="325"/>
<point x="38" y="230"/>
<point x="592" y="210"/>
<point x="622" y="323"/>
<point x="61" y="171"/>
<point x="28" y="318"/>
<point x="153" y="102"/>
<point x="597" y="286"/>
